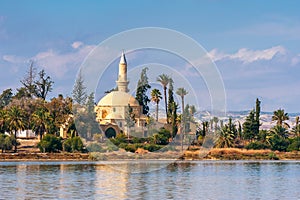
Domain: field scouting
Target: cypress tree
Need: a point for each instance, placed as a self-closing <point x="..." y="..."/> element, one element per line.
<point x="141" y="92"/>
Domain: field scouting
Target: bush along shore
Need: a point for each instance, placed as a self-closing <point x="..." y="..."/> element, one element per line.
<point x="53" y="122"/>
<point x="214" y="154"/>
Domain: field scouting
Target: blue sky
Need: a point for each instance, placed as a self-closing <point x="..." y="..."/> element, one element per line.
<point x="254" y="44"/>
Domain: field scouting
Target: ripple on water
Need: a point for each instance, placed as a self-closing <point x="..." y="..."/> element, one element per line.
<point x="180" y="180"/>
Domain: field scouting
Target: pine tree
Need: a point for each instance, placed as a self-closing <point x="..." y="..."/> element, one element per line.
<point x="5" y="97"/>
<point x="252" y="123"/>
<point x="79" y="90"/>
<point x="141" y="92"/>
<point x="249" y="126"/>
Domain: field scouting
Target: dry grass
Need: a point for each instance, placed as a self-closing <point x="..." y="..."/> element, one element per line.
<point x="238" y="151"/>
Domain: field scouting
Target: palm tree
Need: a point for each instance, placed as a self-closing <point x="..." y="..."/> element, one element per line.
<point x="156" y="97"/>
<point x="295" y="130"/>
<point x="41" y="120"/>
<point x="16" y="120"/>
<point x="164" y="81"/>
<point x="280" y="116"/>
<point x="182" y="92"/>
<point x="2" y="120"/>
<point x="225" y="138"/>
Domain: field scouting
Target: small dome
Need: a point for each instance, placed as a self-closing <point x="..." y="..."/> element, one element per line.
<point x="118" y="98"/>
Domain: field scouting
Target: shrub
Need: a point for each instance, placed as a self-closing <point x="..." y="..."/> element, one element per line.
<point x="120" y="138"/>
<point x="152" y="147"/>
<point x="7" y="142"/>
<point x="295" y="144"/>
<point x="131" y="147"/>
<point x="74" y="144"/>
<point x="138" y="140"/>
<point x="278" y="143"/>
<point x="273" y="156"/>
<point x="50" y="143"/>
<point x="257" y="145"/>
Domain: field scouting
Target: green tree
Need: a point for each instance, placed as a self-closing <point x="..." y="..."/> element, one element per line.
<point x="73" y="144"/>
<point x="16" y="120"/>
<point x="170" y="100"/>
<point x="164" y="81"/>
<point x="239" y="131"/>
<point x="249" y="127"/>
<point x="280" y="116"/>
<point x="60" y="110"/>
<point x="7" y="142"/>
<point x="278" y="143"/>
<point x="5" y="97"/>
<point x="43" y="85"/>
<point x="79" y="90"/>
<point x="257" y="116"/>
<point x="156" y="97"/>
<point x="50" y="143"/>
<point x="225" y="138"/>
<point x="280" y="131"/>
<point x="204" y="130"/>
<point x="22" y="93"/>
<point x="41" y="120"/>
<point x="141" y="92"/>
<point x="174" y="118"/>
<point x="227" y="135"/>
<point x="3" y="116"/>
<point x="252" y="123"/>
<point x="182" y="92"/>
<point x="295" y="129"/>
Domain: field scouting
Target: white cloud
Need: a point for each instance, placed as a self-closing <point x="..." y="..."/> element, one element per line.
<point x="247" y="55"/>
<point x="295" y="60"/>
<point x="59" y="64"/>
<point x="77" y="44"/>
<point x="13" y="59"/>
<point x="54" y="62"/>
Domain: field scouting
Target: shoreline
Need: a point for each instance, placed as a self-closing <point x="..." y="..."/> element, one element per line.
<point x="213" y="154"/>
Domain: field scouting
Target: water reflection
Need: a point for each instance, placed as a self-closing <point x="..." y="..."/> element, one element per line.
<point x="180" y="180"/>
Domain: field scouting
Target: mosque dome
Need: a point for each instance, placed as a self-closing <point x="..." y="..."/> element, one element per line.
<point x="118" y="98"/>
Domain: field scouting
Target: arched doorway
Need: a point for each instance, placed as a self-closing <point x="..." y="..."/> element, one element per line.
<point x="110" y="132"/>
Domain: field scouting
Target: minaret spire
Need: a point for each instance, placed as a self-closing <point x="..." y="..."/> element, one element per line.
<point x="122" y="81"/>
<point x="123" y="59"/>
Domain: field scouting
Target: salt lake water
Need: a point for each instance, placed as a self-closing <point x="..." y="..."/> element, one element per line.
<point x="150" y="180"/>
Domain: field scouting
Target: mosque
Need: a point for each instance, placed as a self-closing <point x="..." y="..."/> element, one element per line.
<point x="113" y="108"/>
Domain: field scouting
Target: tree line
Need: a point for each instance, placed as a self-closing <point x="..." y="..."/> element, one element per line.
<point x="29" y="109"/>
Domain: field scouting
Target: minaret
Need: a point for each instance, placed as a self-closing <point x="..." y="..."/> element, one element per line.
<point x="122" y="81"/>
